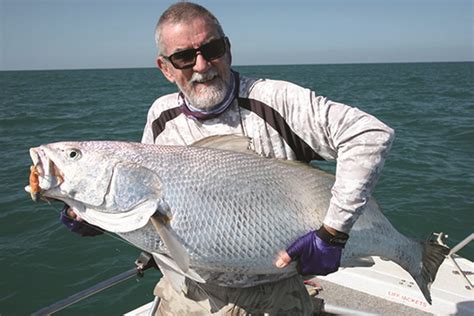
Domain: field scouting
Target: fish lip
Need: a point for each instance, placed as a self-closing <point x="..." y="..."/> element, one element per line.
<point x="49" y="175"/>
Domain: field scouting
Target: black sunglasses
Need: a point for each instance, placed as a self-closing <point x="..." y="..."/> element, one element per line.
<point x="210" y="51"/>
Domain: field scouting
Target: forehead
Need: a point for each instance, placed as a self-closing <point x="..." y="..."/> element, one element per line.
<point x="182" y="35"/>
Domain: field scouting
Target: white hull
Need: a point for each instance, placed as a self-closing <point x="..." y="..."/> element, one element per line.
<point x="451" y="293"/>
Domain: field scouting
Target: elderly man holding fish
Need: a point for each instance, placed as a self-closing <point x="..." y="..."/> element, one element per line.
<point x="282" y="120"/>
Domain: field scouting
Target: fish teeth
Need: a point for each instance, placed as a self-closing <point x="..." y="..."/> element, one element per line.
<point x="34" y="156"/>
<point x="39" y="169"/>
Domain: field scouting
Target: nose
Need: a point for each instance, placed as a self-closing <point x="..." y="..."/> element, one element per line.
<point x="202" y="65"/>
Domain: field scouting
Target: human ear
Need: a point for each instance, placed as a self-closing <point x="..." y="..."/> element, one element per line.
<point x="164" y="66"/>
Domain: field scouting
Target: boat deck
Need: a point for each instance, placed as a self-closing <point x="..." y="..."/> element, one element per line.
<point x="341" y="300"/>
<point x="385" y="288"/>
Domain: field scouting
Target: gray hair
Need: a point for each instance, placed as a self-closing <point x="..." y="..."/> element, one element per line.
<point x="183" y="12"/>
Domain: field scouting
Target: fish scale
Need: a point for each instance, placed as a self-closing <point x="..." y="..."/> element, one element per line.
<point x="244" y="218"/>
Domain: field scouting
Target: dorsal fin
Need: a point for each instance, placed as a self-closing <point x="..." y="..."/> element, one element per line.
<point x="241" y="144"/>
<point x="230" y="142"/>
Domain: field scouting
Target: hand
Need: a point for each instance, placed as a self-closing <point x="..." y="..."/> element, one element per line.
<point x="76" y="224"/>
<point x="319" y="252"/>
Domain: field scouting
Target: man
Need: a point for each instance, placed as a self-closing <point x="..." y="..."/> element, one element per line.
<point x="283" y="121"/>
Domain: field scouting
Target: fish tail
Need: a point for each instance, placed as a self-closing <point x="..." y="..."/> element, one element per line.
<point x="433" y="255"/>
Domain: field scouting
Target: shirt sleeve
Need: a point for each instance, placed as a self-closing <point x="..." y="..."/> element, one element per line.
<point x="358" y="141"/>
<point x="362" y="143"/>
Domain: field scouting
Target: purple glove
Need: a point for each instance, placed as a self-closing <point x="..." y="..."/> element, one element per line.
<point x="79" y="227"/>
<point x="319" y="252"/>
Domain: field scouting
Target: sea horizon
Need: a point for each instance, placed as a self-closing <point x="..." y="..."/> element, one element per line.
<point x="265" y="65"/>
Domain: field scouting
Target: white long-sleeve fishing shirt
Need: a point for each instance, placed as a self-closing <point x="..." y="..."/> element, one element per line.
<point x="287" y="121"/>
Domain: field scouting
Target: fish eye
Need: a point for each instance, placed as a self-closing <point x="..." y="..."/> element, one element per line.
<point x="73" y="154"/>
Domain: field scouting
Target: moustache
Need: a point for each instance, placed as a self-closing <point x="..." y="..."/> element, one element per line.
<point x="202" y="77"/>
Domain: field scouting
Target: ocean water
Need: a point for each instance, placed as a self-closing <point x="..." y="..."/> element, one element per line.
<point x="427" y="183"/>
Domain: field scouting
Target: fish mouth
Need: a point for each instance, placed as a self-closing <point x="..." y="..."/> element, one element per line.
<point x="44" y="174"/>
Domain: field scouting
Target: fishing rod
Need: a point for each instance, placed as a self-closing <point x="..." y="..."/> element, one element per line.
<point x="143" y="262"/>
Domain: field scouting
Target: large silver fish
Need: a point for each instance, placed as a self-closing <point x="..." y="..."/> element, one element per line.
<point x="223" y="215"/>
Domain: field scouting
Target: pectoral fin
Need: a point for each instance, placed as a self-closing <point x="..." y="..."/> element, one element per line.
<point x="169" y="238"/>
<point x="168" y="263"/>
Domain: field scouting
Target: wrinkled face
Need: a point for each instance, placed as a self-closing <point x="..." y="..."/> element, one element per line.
<point x="206" y="83"/>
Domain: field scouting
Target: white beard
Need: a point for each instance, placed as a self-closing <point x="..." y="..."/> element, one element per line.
<point x="213" y="95"/>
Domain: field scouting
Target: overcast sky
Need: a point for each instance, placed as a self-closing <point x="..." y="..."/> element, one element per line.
<point x="76" y="34"/>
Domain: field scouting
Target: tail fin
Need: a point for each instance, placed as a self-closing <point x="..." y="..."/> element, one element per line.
<point x="433" y="256"/>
